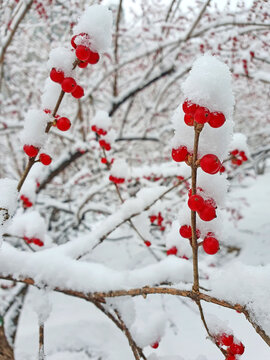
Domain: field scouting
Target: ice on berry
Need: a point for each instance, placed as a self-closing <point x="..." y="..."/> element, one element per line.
<point x="96" y="21"/>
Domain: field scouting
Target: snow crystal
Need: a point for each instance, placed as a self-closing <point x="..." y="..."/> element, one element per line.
<point x="97" y="22"/>
<point x="209" y="85"/>
<point x="120" y="169"/>
<point x="62" y="58"/>
<point x="34" y="128"/>
<point x="102" y="120"/>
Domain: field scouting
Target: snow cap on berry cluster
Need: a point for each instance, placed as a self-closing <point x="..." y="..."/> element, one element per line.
<point x="102" y="120"/>
<point x="62" y="58"/>
<point x="110" y="136"/>
<point x="120" y="169"/>
<point x="29" y="224"/>
<point x="8" y="201"/>
<point x="34" y="128"/>
<point x="239" y="142"/>
<point x="209" y="84"/>
<point x="96" y="21"/>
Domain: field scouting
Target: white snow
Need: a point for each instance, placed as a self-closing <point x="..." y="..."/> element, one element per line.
<point x="120" y="169"/>
<point x="102" y="120"/>
<point x="62" y="58"/>
<point x="34" y="128"/>
<point x="97" y="22"/>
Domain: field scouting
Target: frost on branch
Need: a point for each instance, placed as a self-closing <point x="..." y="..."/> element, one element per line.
<point x="8" y="201"/>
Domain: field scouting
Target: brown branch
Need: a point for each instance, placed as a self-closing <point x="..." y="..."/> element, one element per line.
<point x="41" y="342"/>
<point x="119" y="12"/>
<point x="196" y="22"/>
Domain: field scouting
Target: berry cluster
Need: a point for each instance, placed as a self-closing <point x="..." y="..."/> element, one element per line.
<point x="81" y="43"/>
<point x="35" y="241"/>
<point x="238" y="157"/>
<point x="203" y="205"/>
<point x="174" y="251"/>
<point x="116" y="180"/>
<point x="234" y="348"/>
<point x="26" y="202"/>
<point x="68" y="84"/>
<point x="158" y="219"/>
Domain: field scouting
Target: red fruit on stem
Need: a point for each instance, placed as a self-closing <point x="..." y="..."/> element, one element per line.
<point x="210" y="245"/>
<point x="37" y="242"/>
<point x="27" y="203"/>
<point x="238" y="162"/>
<point x="57" y="75"/>
<point x="78" y="92"/>
<point x="222" y="169"/>
<point x="180" y="154"/>
<point x="235" y="152"/>
<point x="237" y="349"/>
<point x="82" y="52"/>
<point x="210" y="164"/>
<point x="230" y="357"/>
<point x="198" y="233"/>
<point x="189" y="107"/>
<point x="101" y="132"/>
<point x="155" y="345"/>
<point x="93" y="58"/>
<point x="31" y="150"/>
<point x="68" y="84"/>
<point x="216" y="119"/>
<point x="195" y="202"/>
<point x="63" y="123"/>
<point x="45" y="159"/>
<point x="107" y="146"/>
<point x="226" y="339"/>
<point x="86" y="36"/>
<point x="159" y="219"/>
<point x="208" y="213"/>
<point x="172" y="251"/>
<point x="152" y="218"/>
<point x="185" y="231"/>
<point x="103" y="160"/>
<point x="201" y="115"/>
<point x="189" y="119"/>
<point x="94" y="128"/>
<point x="102" y="143"/>
<point x="148" y="243"/>
<point x="83" y="64"/>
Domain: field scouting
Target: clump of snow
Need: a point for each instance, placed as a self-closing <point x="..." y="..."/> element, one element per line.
<point x="217" y="192"/>
<point x="97" y="22"/>
<point x="239" y="142"/>
<point x="217" y="326"/>
<point x="110" y="136"/>
<point x="8" y="201"/>
<point x="50" y="94"/>
<point x="126" y="308"/>
<point x="34" y="128"/>
<point x="62" y="58"/>
<point x="29" y="224"/>
<point x="29" y="189"/>
<point x="41" y="304"/>
<point x="209" y="85"/>
<point x="102" y="120"/>
<point x="120" y="169"/>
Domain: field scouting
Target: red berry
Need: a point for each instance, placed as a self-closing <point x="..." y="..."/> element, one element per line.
<point x="237" y="349"/>
<point x="83" y="64"/>
<point x="243" y="155"/>
<point x="102" y="143"/>
<point x="155" y="345"/>
<point x="180" y="153"/>
<point x="216" y="119"/>
<point x="112" y="179"/>
<point x="185" y="231"/>
<point x="252" y="54"/>
<point x="208" y="213"/>
<point x="45" y="159"/>
<point x="226" y="339"/>
<point x="159" y="219"/>
<point x="107" y="147"/>
<point x="196" y="202"/>
<point x="94" y="128"/>
<point x="101" y="132"/>
<point x="153" y="218"/>
<point x="103" y="160"/>
<point x="172" y="251"/>
<point x="78" y="92"/>
<point x="57" y="75"/>
<point x="189" y="119"/>
<point x="68" y="84"/>
<point x="234" y="152"/>
<point x="189" y="107"/>
<point x="27" y="203"/>
<point x="37" y="242"/>
<point x="31" y="150"/>
<point x="210" y="245"/>
<point x="222" y="169"/>
<point x="82" y="52"/>
<point x="93" y="57"/>
<point x="148" y="243"/>
<point x="230" y="357"/>
<point x="63" y="124"/>
<point x="86" y="36"/>
<point x="201" y="115"/>
<point x="210" y="164"/>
